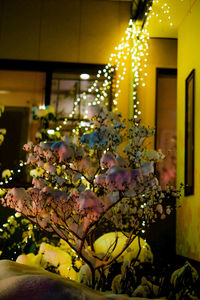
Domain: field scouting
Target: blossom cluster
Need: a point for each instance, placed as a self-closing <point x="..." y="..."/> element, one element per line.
<point x="82" y="185"/>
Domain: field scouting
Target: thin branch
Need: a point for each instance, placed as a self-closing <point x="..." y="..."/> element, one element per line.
<point x="82" y="174"/>
<point x="113" y="244"/>
<point x="128" y="242"/>
<point x="139" y="244"/>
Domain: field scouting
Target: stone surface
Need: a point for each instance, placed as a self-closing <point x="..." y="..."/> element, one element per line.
<point x="22" y="282"/>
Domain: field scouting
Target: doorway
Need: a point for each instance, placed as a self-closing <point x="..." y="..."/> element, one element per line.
<point x="166" y="112"/>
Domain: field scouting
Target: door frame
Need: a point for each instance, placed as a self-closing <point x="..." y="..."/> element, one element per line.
<point x="160" y="71"/>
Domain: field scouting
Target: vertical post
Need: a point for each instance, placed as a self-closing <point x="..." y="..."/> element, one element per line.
<point x="48" y="87"/>
<point x="131" y="79"/>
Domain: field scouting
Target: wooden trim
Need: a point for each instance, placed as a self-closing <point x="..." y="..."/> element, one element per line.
<point x="44" y="66"/>
<point x="189" y="114"/>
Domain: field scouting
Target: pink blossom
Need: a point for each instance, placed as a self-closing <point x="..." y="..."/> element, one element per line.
<point x="48" y="154"/>
<point x="100" y="180"/>
<point x="93" y="111"/>
<point x="28" y="147"/>
<point x="50" y="168"/>
<point x="119" y="179"/>
<point x="107" y="161"/>
<point x="73" y="195"/>
<point x="40" y="164"/>
<point x="88" y="200"/>
<point x="18" y="199"/>
<point x="65" y="153"/>
<point x="38" y="183"/>
<point x="91" y="208"/>
<point x="32" y="159"/>
<point x="121" y="162"/>
<point x="38" y="150"/>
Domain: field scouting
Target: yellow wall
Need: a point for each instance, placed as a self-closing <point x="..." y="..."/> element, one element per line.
<point x="22" y="88"/>
<point x="188" y="216"/>
<point x="83" y="31"/>
<point x="162" y="54"/>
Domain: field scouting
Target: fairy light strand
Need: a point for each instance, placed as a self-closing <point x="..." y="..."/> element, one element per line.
<point x="159" y="10"/>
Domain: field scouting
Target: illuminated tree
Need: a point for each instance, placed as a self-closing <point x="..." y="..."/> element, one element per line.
<point x="85" y="186"/>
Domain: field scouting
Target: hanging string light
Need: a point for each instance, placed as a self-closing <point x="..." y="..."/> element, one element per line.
<point x="160" y="11"/>
<point x="139" y="58"/>
<point x="139" y="63"/>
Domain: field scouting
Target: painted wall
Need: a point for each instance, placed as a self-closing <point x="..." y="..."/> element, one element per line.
<point x="162" y="54"/>
<point x="22" y="88"/>
<point x="188" y="216"/>
<point x="58" y="30"/>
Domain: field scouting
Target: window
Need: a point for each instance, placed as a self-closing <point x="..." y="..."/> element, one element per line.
<point x="70" y="94"/>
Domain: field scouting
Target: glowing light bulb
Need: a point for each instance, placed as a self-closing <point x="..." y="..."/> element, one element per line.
<point x="84" y="76"/>
<point x="50" y="131"/>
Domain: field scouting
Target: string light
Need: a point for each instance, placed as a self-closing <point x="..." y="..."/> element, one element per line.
<point x="5" y="180"/>
<point x="140" y="58"/>
<point x="160" y="11"/>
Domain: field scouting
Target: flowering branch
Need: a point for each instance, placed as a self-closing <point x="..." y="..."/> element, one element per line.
<point x="83" y="185"/>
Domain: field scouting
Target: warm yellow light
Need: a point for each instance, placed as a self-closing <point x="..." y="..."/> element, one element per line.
<point x="84" y="76"/>
<point x="50" y="131"/>
<point x="3" y="92"/>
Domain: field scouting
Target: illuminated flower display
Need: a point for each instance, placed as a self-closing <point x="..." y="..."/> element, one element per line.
<point x="87" y="186"/>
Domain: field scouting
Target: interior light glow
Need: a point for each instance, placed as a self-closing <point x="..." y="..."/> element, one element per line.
<point x="42" y="107"/>
<point x="50" y="131"/>
<point x="84" y="76"/>
<point x="3" y="92"/>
